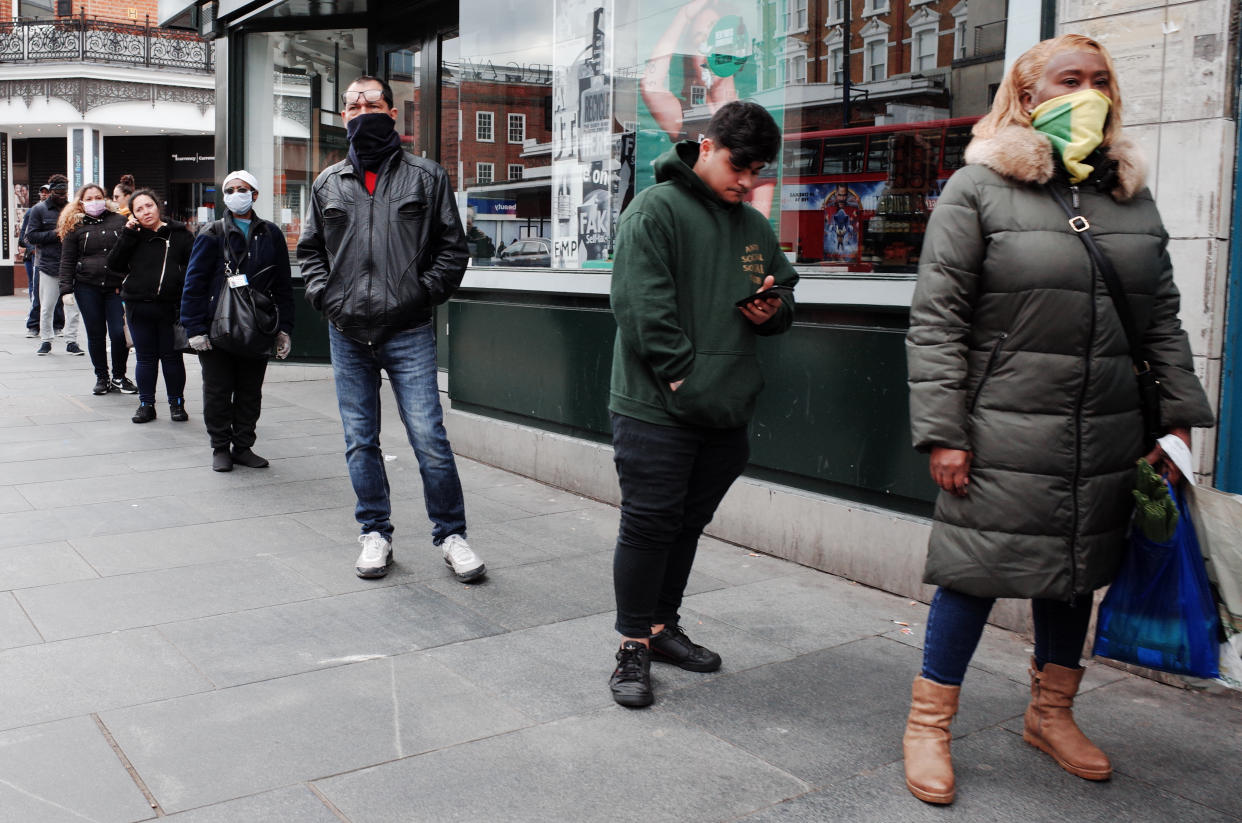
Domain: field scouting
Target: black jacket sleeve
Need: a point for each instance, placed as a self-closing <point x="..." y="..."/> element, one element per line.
<point x="448" y="248"/>
<point x="70" y="252"/>
<point x="118" y="258"/>
<point x="313" y="253"/>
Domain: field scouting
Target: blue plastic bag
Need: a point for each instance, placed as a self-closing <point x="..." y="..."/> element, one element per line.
<point x="1159" y="612"/>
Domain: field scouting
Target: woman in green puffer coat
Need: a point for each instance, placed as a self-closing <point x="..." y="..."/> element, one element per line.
<point x="1023" y="391"/>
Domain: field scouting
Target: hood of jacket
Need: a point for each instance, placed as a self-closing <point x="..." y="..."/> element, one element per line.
<point x="677" y="165"/>
<point x="1021" y="153"/>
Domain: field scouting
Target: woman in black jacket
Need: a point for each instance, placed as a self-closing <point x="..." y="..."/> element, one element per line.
<point x="152" y="254"/>
<point x="89" y="230"/>
<point x="242" y="243"/>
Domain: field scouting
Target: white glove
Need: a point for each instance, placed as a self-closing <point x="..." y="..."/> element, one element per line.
<point x="199" y="342"/>
<point x="68" y="299"/>
<point x="283" y="344"/>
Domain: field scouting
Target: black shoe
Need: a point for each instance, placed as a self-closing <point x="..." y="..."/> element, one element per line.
<point x="45" y="348"/>
<point x="672" y="646"/>
<point x="102" y="386"/>
<point x="124" y="385"/>
<point x="631" y="680"/>
<point x="176" y="410"/>
<point x="73" y="348"/>
<point x="145" y="413"/>
<point x="221" y="460"/>
<point x="249" y="459"/>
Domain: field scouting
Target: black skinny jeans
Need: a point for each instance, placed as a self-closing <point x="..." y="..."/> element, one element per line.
<point x="672" y="479"/>
<point x="104" y="318"/>
<point x="151" y="326"/>
<point x="232" y="397"/>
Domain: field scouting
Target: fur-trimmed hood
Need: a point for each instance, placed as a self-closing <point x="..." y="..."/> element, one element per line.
<point x="1023" y="154"/>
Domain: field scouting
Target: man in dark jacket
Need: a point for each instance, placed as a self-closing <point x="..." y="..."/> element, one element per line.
<point x="32" y="274"/>
<point x="692" y="288"/>
<point x="41" y="233"/>
<point x="381" y="247"/>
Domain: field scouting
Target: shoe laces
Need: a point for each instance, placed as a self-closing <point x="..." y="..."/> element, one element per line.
<point x="630" y="661"/>
<point x="374" y="546"/>
<point x="457" y="549"/>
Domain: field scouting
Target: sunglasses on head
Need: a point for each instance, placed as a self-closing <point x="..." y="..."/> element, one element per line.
<point x="369" y="95"/>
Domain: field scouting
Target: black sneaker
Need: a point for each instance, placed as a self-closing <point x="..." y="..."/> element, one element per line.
<point x="631" y="680"/>
<point x="102" y="386"/>
<point x="73" y="348"/>
<point x="145" y="413"/>
<point x="124" y="385"/>
<point x="246" y="457"/>
<point x="45" y="348"/>
<point x="672" y="646"/>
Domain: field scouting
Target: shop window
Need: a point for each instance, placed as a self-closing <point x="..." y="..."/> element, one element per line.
<point x="484" y="173"/>
<point x="517" y="128"/>
<point x="484" y="122"/>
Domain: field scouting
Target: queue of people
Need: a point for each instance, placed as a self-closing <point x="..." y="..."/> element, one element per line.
<point x="1022" y="390"/>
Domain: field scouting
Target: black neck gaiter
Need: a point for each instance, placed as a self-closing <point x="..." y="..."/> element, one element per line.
<point x="372" y="140"/>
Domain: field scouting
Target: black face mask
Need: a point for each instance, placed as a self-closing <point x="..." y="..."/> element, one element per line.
<point x="372" y="140"/>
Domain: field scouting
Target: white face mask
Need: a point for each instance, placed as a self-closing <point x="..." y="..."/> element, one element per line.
<point x="94" y="207"/>
<point x="239" y="201"/>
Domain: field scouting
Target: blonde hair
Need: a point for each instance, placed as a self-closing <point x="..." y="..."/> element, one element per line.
<point x="71" y="215"/>
<point x="1024" y="76"/>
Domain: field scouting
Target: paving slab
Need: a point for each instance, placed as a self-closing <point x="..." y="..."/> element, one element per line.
<point x="292" y="804"/>
<point x="259" y="644"/>
<point x="18" y="528"/>
<point x="594" y="767"/>
<point x="51" y="681"/>
<point x="127" y="601"/>
<point x="65" y="771"/>
<point x="15" y="627"/>
<point x="40" y="564"/>
<point x="220" y="745"/>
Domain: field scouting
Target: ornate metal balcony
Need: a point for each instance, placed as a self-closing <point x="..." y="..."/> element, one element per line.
<point x="77" y="38"/>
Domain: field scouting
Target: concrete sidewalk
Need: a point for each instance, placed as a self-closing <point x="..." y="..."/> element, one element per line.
<point x="177" y="642"/>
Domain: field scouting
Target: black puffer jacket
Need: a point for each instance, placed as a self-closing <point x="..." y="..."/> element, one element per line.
<point x="42" y="233"/>
<point x="1016" y="354"/>
<point x="84" y="253"/>
<point x="153" y="262"/>
<point x="377" y="264"/>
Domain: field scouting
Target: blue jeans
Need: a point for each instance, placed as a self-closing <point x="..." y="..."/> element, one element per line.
<point x="955" y="624"/>
<point x="409" y="358"/>
<point x="672" y="479"/>
<point x="104" y="318"/>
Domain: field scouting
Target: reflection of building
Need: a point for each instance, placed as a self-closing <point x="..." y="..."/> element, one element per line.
<point x="99" y="92"/>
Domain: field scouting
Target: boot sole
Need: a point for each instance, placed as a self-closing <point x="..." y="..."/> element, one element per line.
<point x="1077" y="771"/>
<point x="931" y="797"/>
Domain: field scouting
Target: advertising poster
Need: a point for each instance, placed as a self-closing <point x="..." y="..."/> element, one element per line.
<point x="582" y="135"/>
<point x="698" y="55"/>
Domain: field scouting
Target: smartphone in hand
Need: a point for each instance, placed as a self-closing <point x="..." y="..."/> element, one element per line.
<point x="774" y="292"/>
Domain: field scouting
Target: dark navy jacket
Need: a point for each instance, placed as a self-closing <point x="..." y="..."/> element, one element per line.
<point x="41" y="232"/>
<point x="264" y="260"/>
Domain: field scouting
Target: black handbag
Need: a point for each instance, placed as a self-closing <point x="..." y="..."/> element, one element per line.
<point x="1148" y="385"/>
<point x="246" y="320"/>
<point x="181" y="340"/>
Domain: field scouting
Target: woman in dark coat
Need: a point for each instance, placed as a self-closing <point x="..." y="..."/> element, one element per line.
<point x="241" y="243"/>
<point x="1023" y="391"/>
<point x="152" y="254"/>
<point x="89" y="229"/>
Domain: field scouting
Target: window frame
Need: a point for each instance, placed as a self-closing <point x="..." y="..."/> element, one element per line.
<point x="491" y="126"/>
<point x="916" y="56"/>
<point x="521" y="120"/>
<point x="509" y="171"/>
<point x="882" y="64"/>
<point x="478" y="173"/>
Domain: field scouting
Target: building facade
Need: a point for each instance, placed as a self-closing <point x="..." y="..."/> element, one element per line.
<point x="547" y="117"/>
<point x="94" y="89"/>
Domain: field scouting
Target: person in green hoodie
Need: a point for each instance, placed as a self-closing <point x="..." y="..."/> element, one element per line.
<point x="685" y="376"/>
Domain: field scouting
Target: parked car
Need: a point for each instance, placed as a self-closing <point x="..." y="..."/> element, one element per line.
<point x="528" y="251"/>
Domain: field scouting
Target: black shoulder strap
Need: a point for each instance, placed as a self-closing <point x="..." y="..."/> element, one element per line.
<point x="1083" y="229"/>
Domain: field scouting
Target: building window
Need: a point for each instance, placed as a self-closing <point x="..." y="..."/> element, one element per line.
<point x="836" y="11"/>
<point x="484" y="173"/>
<point x="515" y="171"/>
<point x="959" y="40"/>
<point x="923" y="55"/>
<point x="698" y="95"/>
<point x="484" y="127"/>
<point x="795" y="69"/>
<point x="875" y="7"/>
<point x="836" y="66"/>
<point x="517" y="128"/>
<point x="795" y="15"/>
<point x="876" y="54"/>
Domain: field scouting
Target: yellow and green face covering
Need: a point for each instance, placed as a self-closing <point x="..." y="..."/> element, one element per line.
<point x="1075" y="125"/>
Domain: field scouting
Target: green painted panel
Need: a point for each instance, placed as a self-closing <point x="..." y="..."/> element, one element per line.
<point x="310" y="330"/>
<point x="833" y="416"/>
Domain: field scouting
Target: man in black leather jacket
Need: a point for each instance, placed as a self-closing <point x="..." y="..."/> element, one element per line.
<point x="383" y="245"/>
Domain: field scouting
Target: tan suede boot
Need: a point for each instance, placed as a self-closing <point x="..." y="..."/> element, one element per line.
<point x="929" y="768"/>
<point x="1049" y="724"/>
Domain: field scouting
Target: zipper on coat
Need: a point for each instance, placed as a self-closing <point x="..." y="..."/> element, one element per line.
<point x="1082" y="395"/>
<point x="163" y="268"/>
<point x="987" y="370"/>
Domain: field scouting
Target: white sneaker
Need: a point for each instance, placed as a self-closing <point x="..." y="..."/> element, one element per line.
<point x="461" y="559"/>
<point x="376" y="555"/>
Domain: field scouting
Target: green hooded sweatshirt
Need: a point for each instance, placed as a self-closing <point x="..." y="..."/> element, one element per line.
<point x="683" y="258"/>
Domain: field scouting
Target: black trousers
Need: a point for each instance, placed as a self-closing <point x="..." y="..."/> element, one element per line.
<point x="672" y="479"/>
<point x="232" y="397"/>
